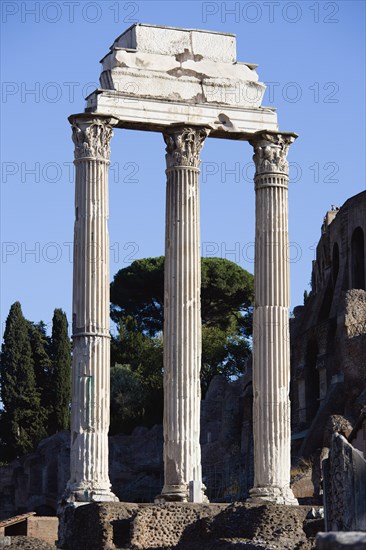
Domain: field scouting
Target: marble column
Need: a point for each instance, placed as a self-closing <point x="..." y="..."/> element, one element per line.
<point x="182" y="317"/>
<point x="271" y="345"/>
<point x="89" y="479"/>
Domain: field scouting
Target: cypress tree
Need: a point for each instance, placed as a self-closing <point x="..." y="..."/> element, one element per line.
<point x="40" y="345"/>
<point x="60" y="379"/>
<point x="23" y="417"/>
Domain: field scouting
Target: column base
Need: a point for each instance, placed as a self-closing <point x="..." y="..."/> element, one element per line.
<point x="275" y="495"/>
<point x="191" y="492"/>
<point x="88" y="493"/>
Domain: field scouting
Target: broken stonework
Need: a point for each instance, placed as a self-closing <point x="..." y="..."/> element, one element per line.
<point x="344" y="487"/>
<point x="341" y="541"/>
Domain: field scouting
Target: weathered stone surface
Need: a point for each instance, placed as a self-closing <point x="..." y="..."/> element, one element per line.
<point x="182" y="316"/>
<point x="358" y="435"/>
<point x="336" y="424"/>
<point x="344" y="487"/>
<point x="28" y="543"/>
<point x="173" y="41"/>
<point x="37" y="481"/>
<point x="89" y="478"/>
<point x="148" y="114"/>
<point x="271" y="346"/>
<point x="193" y="66"/>
<point x="328" y="333"/>
<point x="180" y="526"/>
<point x="155" y="76"/>
<point x="341" y="541"/>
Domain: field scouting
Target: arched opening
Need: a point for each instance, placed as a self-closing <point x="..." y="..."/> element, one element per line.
<point x="312" y="386"/>
<point x="358" y="259"/>
<point x="335" y="263"/>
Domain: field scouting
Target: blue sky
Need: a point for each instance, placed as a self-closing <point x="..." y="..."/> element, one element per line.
<point x="310" y="54"/>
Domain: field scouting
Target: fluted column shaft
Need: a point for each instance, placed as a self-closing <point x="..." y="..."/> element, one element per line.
<point x="271" y="345"/>
<point x="182" y="317"/>
<point x="89" y="479"/>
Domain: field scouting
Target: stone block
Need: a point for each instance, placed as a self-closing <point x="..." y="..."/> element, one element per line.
<point x="155" y="76"/>
<point x="175" y="41"/>
<point x="187" y="526"/>
<point x="344" y="474"/>
<point x="341" y="541"/>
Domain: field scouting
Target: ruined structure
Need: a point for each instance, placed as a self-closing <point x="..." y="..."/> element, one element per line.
<point x="344" y="487"/>
<point x="328" y="333"/>
<point x="38" y="480"/>
<point x="187" y="85"/>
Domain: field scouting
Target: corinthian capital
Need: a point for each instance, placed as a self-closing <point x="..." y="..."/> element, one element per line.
<point x="270" y="152"/>
<point x="91" y="138"/>
<point x="183" y="145"/>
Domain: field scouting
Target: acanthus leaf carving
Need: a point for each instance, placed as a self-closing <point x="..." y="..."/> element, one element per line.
<point x="92" y="140"/>
<point x="270" y="153"/>
<point x="183" y="146"/>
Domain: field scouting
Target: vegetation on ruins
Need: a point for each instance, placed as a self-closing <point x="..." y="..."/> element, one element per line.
<point x="35" y="375"/>
<point x="137" y="307"/>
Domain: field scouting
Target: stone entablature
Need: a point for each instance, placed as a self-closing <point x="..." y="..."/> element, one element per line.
<point x="180" y="64"/>
<point x="155" y="76"/>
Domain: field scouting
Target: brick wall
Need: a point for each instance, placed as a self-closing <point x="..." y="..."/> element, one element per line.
<point x="43" y="527"/>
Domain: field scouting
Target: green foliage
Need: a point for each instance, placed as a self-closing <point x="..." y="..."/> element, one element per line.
<point x="127" y="399"/>
<point x="137" y="296"/>
<point x="40" y="346"/>
<point x="137" y="388"/>
<point x="60" y="375"/>
<point x="138" y="291"/>
<point x="23" y="418"/>
<point x="227" y="293"/>
<point x="35" y="377"/>
<point x="224" y="352"/>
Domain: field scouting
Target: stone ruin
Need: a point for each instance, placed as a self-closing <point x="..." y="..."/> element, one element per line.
<point x="328" y="333"/>
<point x="344" y="474"/>
<point x="38" y="480"/>
<point x="179" y="82"/>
